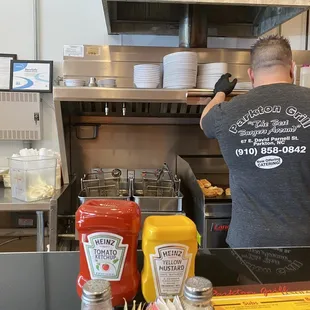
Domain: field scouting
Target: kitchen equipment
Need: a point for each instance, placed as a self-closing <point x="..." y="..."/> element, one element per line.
<point x="180" y="70"/>
<point x="156" y="190"/>
<point x="105" y="183"/>
<point x="211" y="215"/>
<point x="144" y="137"/>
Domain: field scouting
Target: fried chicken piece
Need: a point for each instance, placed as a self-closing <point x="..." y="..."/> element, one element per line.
<point x="213" y="191"/>
<point x="205" y="183"/>
<point x="200" y="184"/>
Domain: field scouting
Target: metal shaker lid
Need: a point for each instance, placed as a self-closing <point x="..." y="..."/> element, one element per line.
<point x="198" y="289"/>
<point x="96" y="290"/>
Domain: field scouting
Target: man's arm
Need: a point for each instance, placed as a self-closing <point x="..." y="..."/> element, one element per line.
<point x="222" y="88"/>
<point x="218" y="98"/>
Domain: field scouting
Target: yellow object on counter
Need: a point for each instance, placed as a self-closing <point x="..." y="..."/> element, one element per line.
<point x="169" y="245"/>
<point x="275" y="301"/>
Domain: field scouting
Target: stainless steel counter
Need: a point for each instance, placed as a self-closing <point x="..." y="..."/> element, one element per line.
<point x="47" y="281"/>
<point x="9" y="204"/>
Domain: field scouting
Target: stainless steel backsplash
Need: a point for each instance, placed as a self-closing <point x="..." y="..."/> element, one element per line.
<point x="139" y="146"/>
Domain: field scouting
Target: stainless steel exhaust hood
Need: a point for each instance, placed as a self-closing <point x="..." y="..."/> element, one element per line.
<point x="224" y="18"/>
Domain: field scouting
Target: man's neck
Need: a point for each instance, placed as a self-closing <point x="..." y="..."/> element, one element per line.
<point x="275" y="77"/>
<point x="271" y="81"/>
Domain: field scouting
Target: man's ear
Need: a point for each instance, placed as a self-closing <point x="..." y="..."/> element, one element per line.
<point x="292" y="70"/>
<point x="251" y="75"/>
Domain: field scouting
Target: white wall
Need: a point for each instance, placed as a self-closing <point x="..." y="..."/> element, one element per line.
<point x="16" y="37"/>
<point x="82" y="22"/>
<point x="295" y="31"/>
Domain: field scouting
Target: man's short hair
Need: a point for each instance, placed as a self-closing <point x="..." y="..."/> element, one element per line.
<point x="271" y="51"/>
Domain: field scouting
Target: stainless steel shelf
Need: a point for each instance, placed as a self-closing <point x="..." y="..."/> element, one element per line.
<point x="50" y="206"/>
<point x="130" y="94"/>
<point x="20" y="232"/>
<point x="7" y="203"/>
<point x="118" y="94"/>
<point x="289" y="3"/>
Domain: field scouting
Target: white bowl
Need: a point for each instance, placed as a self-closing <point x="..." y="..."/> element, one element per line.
<point x="146" y="85"/>
<point x="151" y="76"/>
<point x="147" y="66"/>
<point x="180" y="87"/>
<point x="180" y="55"/>
<point x="214" y="65"/>
<point x="146" y="72"/>
<point x="74" y="83"/>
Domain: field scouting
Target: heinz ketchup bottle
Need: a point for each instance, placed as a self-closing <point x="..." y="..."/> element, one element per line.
<point x="108" y="236"/>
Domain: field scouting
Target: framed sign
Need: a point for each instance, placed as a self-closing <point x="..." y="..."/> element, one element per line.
<point x="5" y="67"/>
<point x="32" y="76"/>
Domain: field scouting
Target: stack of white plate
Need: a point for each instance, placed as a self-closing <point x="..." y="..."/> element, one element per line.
<point x="146" y="76"/>
<point x="180" y="70"/>
<point x="74" y="82"/>
<point x="209" y="74"/>
<point x="109" y="83"/>
<point x="243" y="86"/>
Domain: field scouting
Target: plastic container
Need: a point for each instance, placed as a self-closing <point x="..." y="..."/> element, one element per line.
<point x="169" y="245"/>
<point x="108" y="236"/>
<point x="6" y="180"/>
<point x="32" y="177"/>
<point x="305" y="76"/>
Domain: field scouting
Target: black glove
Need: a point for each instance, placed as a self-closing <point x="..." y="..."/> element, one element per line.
<point x="224" y="85"/>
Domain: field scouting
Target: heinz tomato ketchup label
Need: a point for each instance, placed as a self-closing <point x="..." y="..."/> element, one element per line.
<point x="105" y="255"/>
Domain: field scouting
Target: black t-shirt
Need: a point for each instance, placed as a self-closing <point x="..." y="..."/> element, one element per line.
<point x="264" y="137"/>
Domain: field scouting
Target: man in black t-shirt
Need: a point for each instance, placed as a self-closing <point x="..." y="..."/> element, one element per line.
<point x="264" y="137"/>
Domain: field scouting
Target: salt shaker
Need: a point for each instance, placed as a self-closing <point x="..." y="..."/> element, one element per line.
<point x="96" y="295"/>
<point x="197" y="294"/>
<point x="92" y="82"/>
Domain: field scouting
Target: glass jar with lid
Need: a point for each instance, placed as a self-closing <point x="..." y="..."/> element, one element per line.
<point x="197" y="294"/>
<point x="96" y="295"/>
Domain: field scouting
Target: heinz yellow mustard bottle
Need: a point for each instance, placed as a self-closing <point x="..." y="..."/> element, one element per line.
<point x="169" y="245"/>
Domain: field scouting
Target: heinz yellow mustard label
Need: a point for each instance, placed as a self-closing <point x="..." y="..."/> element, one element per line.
<point x="169" y="244"/>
